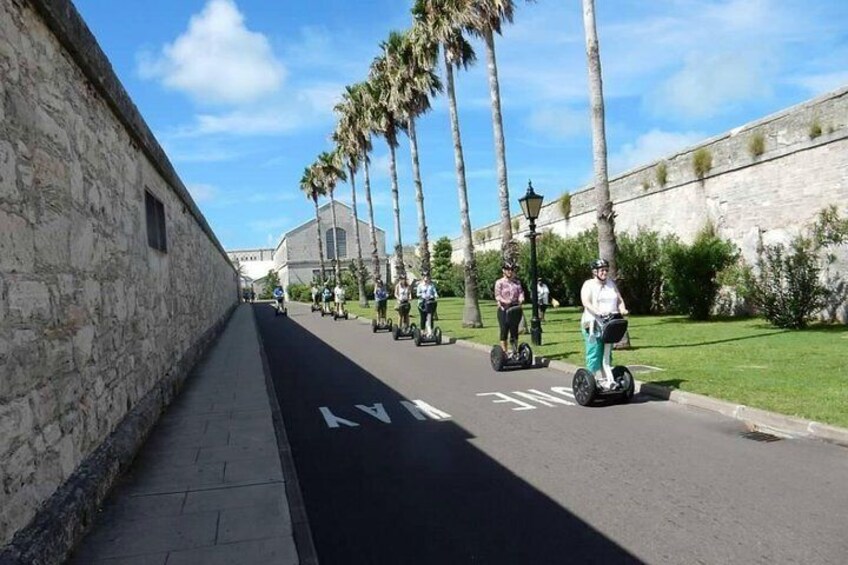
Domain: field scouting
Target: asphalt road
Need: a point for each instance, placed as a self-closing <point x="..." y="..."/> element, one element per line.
<point x="425" y="455"/>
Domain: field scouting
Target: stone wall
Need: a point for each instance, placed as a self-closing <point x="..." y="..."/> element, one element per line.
<point x="97" y="329"/>
<point x="803" y="168"/>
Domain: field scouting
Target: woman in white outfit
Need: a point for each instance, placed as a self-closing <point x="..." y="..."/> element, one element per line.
<point x="600" y="297"/>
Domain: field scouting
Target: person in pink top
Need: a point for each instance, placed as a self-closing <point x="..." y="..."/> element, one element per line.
<point x="509" y="295"/>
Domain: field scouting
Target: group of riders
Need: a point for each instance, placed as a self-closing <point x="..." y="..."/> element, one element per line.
<point x="599" y="296"/>
<point x="330" y="301"/>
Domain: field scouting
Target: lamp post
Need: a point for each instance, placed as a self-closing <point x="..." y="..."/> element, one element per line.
<point x="531" y="205"/>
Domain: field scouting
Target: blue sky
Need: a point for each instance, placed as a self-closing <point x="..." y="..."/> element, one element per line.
<point x="240" y="94"/>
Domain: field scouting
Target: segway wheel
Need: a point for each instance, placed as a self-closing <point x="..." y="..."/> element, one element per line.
<point x="626" y="383"/>
<point x="395" y="334"/>
<point x="526" y="355"/>
<point x="390" y="324"/>
<point x="373" y="326"/>
<point x="584" y="387"/>
<point x="416" y="336"/>
<point x="345" y="316"/>
<point x="437" y="335"/>
<point x="496" y="358"/>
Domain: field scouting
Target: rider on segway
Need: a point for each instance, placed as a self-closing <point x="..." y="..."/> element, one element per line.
<point x="381" y="297"/>
<point x="403" y="295"/>
<point x="339" y="295"/>
<point x="316" y="304"/>
<point x="510" y="295"/>
<point x="326" y="297"/>
<point x="280" y="300"/>
<point x="601" y="298"/>
<point x="427" y="295"/>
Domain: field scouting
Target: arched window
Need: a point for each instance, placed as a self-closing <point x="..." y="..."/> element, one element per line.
<point x="341" y="236"/>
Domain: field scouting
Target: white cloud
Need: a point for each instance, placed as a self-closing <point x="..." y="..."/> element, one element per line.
<point x="202" y="193"/>
<point x="824" y="82"/>
<point x="707" y="85"/>
<point x="651" y="146"/>
<point x="559" y="122"/>
<point x="217" y="59"/>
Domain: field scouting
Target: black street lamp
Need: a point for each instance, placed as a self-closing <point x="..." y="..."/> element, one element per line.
<point x="531" y="205"/>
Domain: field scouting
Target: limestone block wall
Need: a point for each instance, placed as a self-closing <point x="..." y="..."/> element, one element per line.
<point x="804" y="168"/>
<point x="92" y="319"/>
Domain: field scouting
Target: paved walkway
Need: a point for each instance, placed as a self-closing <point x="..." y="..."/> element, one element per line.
<point x="207" y="487"/>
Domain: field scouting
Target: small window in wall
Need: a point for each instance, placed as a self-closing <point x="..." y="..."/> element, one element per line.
<point x="155" y="212"/>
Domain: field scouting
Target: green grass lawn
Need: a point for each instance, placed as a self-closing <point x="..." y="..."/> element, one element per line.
<point x="746" y="361"/>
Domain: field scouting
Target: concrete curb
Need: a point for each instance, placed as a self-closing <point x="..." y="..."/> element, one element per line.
<point x="761" y="420"/>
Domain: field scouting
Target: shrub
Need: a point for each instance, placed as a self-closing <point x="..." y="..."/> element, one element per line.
<point x="735" y="290"/>
<point x="516" y="225"/>
<point x="640" y="274"/>
<point x="488" y="271"/>
<point x="794" y="283"/>
<point x="646" y="184"/>
<point x="691" y="272"/>
<point x="562" y="262"/>
<point x="702" y="162"/>
<point x="441" y="266"/>
<point x="787" y="290"/>
<point x="662" y="174"/>
<point x="757" y="145"/>
<point x="565" y="205"/>
<point x="300" y="292"/>
<point x="815" y="129"/>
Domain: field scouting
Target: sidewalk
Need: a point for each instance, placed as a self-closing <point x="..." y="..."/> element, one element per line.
<point x="208" y="486"/>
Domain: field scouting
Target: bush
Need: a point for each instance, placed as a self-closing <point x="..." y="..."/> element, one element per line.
<point x="300" y="292"/>
<point x="662" y="174"/>
<point x="787" y="290"/>
<point x="488" y="271"/>
<point x="640" y="274"/>
<point x="691" y="272"/>
<point x="562" y="262"/>
<point x="702" y="162"/>
<point x="757" y="145"/>
<point x="441" y="266"/>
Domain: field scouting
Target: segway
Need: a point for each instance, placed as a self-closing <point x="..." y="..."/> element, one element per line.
<point x="315" y="306"/>
<point x="326" y="308"/>
<point x="611" y="329"/>
<point x="385" y="326"/>
<point x="340" y="312"/>
<point x="280" y="308"/>
<point x="430" y="334"/>
<point x="400" y="330"/>
<point x="519" y="354"/>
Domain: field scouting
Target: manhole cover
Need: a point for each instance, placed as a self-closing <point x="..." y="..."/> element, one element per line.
<point x="759" y="436"/>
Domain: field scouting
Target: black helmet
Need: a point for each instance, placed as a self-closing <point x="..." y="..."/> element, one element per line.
<point x="508" y="265"/>
<point x="600" y="264"/>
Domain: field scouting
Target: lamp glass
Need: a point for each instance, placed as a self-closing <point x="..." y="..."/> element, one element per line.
<point x="531" y="204"/>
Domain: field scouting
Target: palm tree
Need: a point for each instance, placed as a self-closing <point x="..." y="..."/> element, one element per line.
<point x="330" y="173"/>
<point x="488" y="17"/>
<point x="363" y="105"/>
<point x="442" y="21"/>
<point x="606" y="216"/>
<point x="346" y="140"/>
<point x="311" y="186"/>
<point x="386" y="122"/>
<point x="411" y="58"/>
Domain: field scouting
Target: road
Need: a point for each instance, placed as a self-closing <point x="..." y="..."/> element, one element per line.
<point x="425" y="455"/>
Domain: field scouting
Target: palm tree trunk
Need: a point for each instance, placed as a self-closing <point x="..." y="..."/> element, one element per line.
<point x="336" y="271"/>
<point x="360" y="269"/>
<point x="401" y="268"/>
<point x="423" y="242"/>
<point x="375" y="256"/>
<point x="508" y="249"/>
<point x="605" y="214"/>
<point x="471" y="312"/>
<point x="320" y="240"/>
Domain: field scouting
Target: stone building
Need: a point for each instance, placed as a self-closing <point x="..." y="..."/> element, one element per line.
<point x="253" y="266"/>
<point x="296" y="257"/>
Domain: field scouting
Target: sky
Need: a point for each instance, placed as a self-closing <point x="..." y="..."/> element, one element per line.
<point x="240" y="95"/>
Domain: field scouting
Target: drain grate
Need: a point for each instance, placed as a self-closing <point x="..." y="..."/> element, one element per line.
<point x="760" y="436"/>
